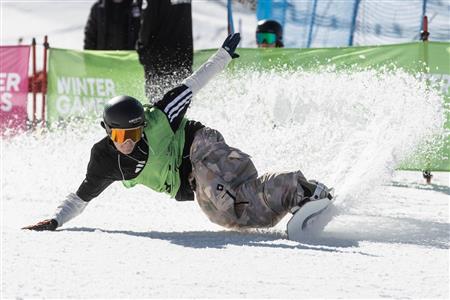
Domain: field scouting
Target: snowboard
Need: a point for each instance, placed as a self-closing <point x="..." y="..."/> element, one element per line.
<point x="303" y="218"/>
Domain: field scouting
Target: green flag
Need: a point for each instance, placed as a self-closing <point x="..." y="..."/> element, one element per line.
<point x="79" y="82"/>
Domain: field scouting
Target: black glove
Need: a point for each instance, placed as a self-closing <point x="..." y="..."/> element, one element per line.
<point x="50" y="224"/>
<point x="231" y="43"/>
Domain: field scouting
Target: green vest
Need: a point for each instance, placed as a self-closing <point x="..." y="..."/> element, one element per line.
<point x="165" y="154"/>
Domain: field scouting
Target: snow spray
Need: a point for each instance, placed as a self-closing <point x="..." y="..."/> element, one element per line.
<point x="348" y="129"/>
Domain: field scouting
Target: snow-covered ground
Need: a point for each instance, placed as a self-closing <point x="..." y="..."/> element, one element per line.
<point x="389" y="236"/>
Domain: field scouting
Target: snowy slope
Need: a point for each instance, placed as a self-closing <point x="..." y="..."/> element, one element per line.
<point x="389" y="236"/>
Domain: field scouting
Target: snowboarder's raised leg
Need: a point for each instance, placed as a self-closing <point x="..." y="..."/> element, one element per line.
<point x="230" y="192"/>
<point x="271" y="196"/>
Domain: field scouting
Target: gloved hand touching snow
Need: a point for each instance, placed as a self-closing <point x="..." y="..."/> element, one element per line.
<point x="49" y="224"/>
<point x="231" y="43"/>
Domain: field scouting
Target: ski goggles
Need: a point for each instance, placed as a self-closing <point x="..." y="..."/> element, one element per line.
<point x="266" y="38"/>
<point x="120" y="135"/>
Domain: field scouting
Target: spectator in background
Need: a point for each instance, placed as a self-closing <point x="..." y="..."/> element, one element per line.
<point x="269" y="34"/>
<point x="165" y="45"/>
<point x="113" y="25"/>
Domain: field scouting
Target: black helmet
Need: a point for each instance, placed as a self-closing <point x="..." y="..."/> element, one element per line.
<point x="123" y="112"/>
<point x="271" y="26"/>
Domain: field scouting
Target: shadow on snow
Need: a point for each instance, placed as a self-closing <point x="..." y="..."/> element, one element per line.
<point x="428" y="187"/>
<point x="221" y="239"/>
<point x="389" y="230"/>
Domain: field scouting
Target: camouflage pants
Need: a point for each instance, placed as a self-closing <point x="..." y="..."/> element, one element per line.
<point x="229" y="191"/>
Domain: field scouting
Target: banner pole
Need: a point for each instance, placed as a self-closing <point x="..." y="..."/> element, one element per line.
<point x="311" y="24"/>
<point x="44" y="83"/>
<point x="230" y="17"/>
<point x="353" y="25"/>
<point x="33" y="80"/>
<point x="424" y="34"/>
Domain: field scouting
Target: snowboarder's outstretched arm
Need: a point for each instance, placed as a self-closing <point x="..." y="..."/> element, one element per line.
<point x="176" y="101"/>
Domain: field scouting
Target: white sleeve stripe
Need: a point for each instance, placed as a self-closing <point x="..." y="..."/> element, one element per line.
<point x="178" y="112"/>
<point x="180" y="104"/>
<point x="178" y="98"/>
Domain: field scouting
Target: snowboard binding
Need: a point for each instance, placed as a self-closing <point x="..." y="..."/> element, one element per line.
<point x="313" y="190"/>
<point x="308" y="209"/>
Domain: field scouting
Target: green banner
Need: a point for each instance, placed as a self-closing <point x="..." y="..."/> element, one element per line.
<point x="79" y="82"/>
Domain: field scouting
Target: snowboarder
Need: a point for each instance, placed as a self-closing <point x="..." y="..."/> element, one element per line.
<point x="158" y="147"/>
